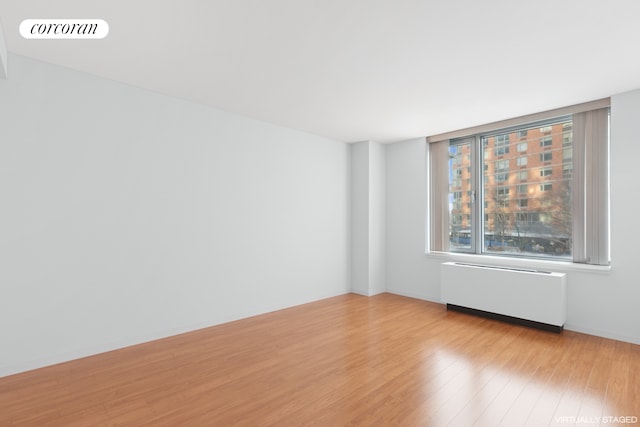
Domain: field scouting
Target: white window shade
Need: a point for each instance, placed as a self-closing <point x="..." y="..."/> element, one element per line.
<point x="439" y="212"/>
<point x="591" y="187"/>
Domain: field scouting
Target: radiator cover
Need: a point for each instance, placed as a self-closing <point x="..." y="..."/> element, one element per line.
<point x="518" y="293"/>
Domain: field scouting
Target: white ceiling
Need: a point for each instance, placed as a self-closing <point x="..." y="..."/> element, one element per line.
<point x="384" y="70"/>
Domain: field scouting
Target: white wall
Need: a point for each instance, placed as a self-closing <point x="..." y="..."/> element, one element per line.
<point x="600" y="303"/>
<point x="3" y="55"/>
<point x="377" y="222"/>
<point x="359" y="155"/>
<point x="128" y="216"/>
<point x="409" y="272"/>
<point x="367" y="218"/>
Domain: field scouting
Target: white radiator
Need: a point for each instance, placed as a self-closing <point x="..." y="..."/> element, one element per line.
<point x="535" y="296"/>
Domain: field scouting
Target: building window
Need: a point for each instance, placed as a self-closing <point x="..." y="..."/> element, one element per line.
<point x="501" y="144"/>
<point x="502" y="191"/>
<point x="567" y="169"/>
<point x="546" y="157"/>
<point x="502" y="203"/>
<point x="560" y="212"/>
<point x="567" y="154"/>
<point x="528" y="217"/>
<point x="502" y="177"/>
<point x="502" y="165"/>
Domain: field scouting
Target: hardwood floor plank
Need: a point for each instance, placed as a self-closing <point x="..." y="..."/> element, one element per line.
<point x="576" y="391"/>
<point x="348" y="360"/>
<point x="525" y="369"/>
<point x="519" y="411"/>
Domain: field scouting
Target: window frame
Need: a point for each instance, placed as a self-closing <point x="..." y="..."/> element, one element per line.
<point x="504" y="195"/>
<point x="595" y="110"/>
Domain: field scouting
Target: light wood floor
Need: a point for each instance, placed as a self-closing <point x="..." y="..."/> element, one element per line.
<point x="349" y="360"/>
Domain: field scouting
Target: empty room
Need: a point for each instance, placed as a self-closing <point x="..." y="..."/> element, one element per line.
<point x="319" y="213"/>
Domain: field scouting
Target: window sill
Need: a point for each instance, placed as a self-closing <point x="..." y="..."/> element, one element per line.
<point x="536" y="264"/>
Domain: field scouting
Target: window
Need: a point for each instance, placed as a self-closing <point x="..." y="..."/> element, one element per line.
<point x="502" y="191"/>
<point x="502" y="203"/>
<point x="502" y="139"/>
<point x="502" y="165"/>
<point x="501" y="144"/>
<point x="527" y="217"/>
<point x="562" y="207"/>
<point x="459" y="192"/>
<point x="567" y="154"/>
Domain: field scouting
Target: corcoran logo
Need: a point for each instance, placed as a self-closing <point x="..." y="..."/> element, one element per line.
<point x="64" y="29"/>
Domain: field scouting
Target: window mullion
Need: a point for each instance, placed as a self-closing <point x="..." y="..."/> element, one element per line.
<point x="476" y="185"/>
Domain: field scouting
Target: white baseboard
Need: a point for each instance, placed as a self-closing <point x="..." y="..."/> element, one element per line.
<point x="353" y="291"/>
<point x="568" y="326"/>
<point x="55" y="359"/>
<point x="424" y="297"/>
<point x="600" y="333"/>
